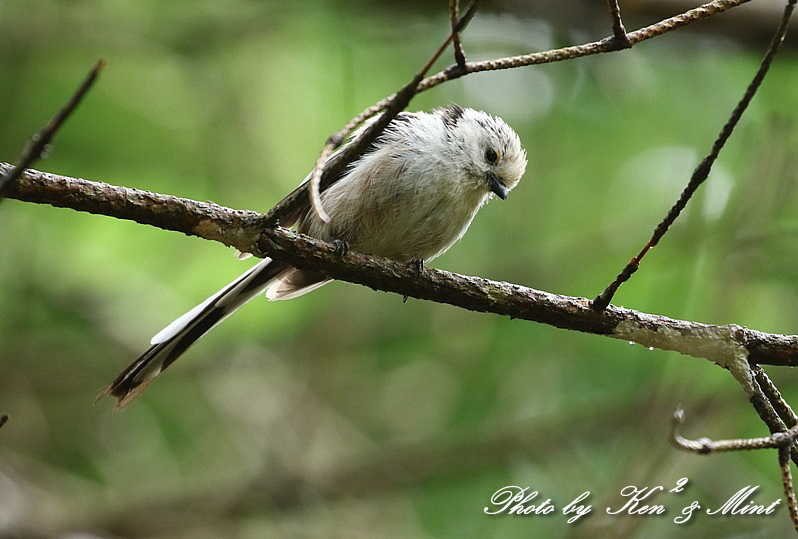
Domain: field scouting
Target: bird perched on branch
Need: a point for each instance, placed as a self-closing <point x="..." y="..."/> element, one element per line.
<point x="409" y="197"/>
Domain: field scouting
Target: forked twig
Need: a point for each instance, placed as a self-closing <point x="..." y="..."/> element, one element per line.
<point x="618" y="30"/>
<point x="702" y="170"/>
<point x="38" y="143"/>
<point x="784" y="441"/>
<point x="288" y="209"/>
<point x="609" y="44"/>
<point x="705" y="446"/>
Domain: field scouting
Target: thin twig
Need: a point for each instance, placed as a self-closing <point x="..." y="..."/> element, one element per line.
<point x="608" y="44"/>
<point x="767" y="413"/>
<point x="400" y="101"/>
<point x="618" y="30"/>
<point x="394" y="106"/>
<point x="315" y="180"/>
<point x="291" y="206"/>
<point x="784" y="411"/>
<point x="761" y="401"/>
<point x="787" y="484"/>
<point x="771" y="407"/>
<point x="784" y="440"/>
<point x="454" y="15"/>
<point x="38" y="143"/>
<point x="705" y="445"/>
<point x="702" y="170"/>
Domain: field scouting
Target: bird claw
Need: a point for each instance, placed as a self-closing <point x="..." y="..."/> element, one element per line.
<point x="341" y="247"/>
<point x="416" y="264"/>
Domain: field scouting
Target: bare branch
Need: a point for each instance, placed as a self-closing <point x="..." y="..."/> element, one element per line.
<point x="618" y="30"/>
<point x="203" y="219"/>
<point x="705" y="445"/>
<point x="702" y="171"/>
<point x="773" y="395"/>
<point x="454" y="14"/>
<point x="242" y="230"/>
<point x="326" y="171"/>
<point x="787" y="484"/>
<point x="38" y="143"/>
<point x="287" y="210"/>
<point x="397" y="104"/>
<point x="773" y="410"/>
<point x="608" y="44"/>
<point x="783" y="440"/>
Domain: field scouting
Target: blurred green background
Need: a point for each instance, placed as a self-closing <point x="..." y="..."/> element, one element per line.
<point x="347" y="413"/>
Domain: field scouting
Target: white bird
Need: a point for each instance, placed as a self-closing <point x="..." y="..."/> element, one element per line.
<point x="411" y="195"/>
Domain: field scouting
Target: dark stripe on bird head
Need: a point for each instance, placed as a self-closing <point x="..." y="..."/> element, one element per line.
<point x="451" y="115"/>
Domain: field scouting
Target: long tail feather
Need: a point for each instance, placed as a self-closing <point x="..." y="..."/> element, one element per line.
<point x="170" y="343"/>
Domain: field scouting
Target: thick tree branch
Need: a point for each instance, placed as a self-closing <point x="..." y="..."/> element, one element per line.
<point x="204" y="219"/>
<point x="240" y="229"/>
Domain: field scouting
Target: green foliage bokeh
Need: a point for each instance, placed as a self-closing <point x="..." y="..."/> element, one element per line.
<point x="347" y="413"/>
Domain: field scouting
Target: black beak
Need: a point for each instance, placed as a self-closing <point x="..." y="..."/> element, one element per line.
<point x="496" y="185"/>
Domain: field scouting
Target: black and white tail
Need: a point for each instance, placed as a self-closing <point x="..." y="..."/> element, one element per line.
<point x="276" y="279"/>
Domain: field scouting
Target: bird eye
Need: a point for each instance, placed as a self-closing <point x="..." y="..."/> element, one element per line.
<point x="491" y="156"/>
